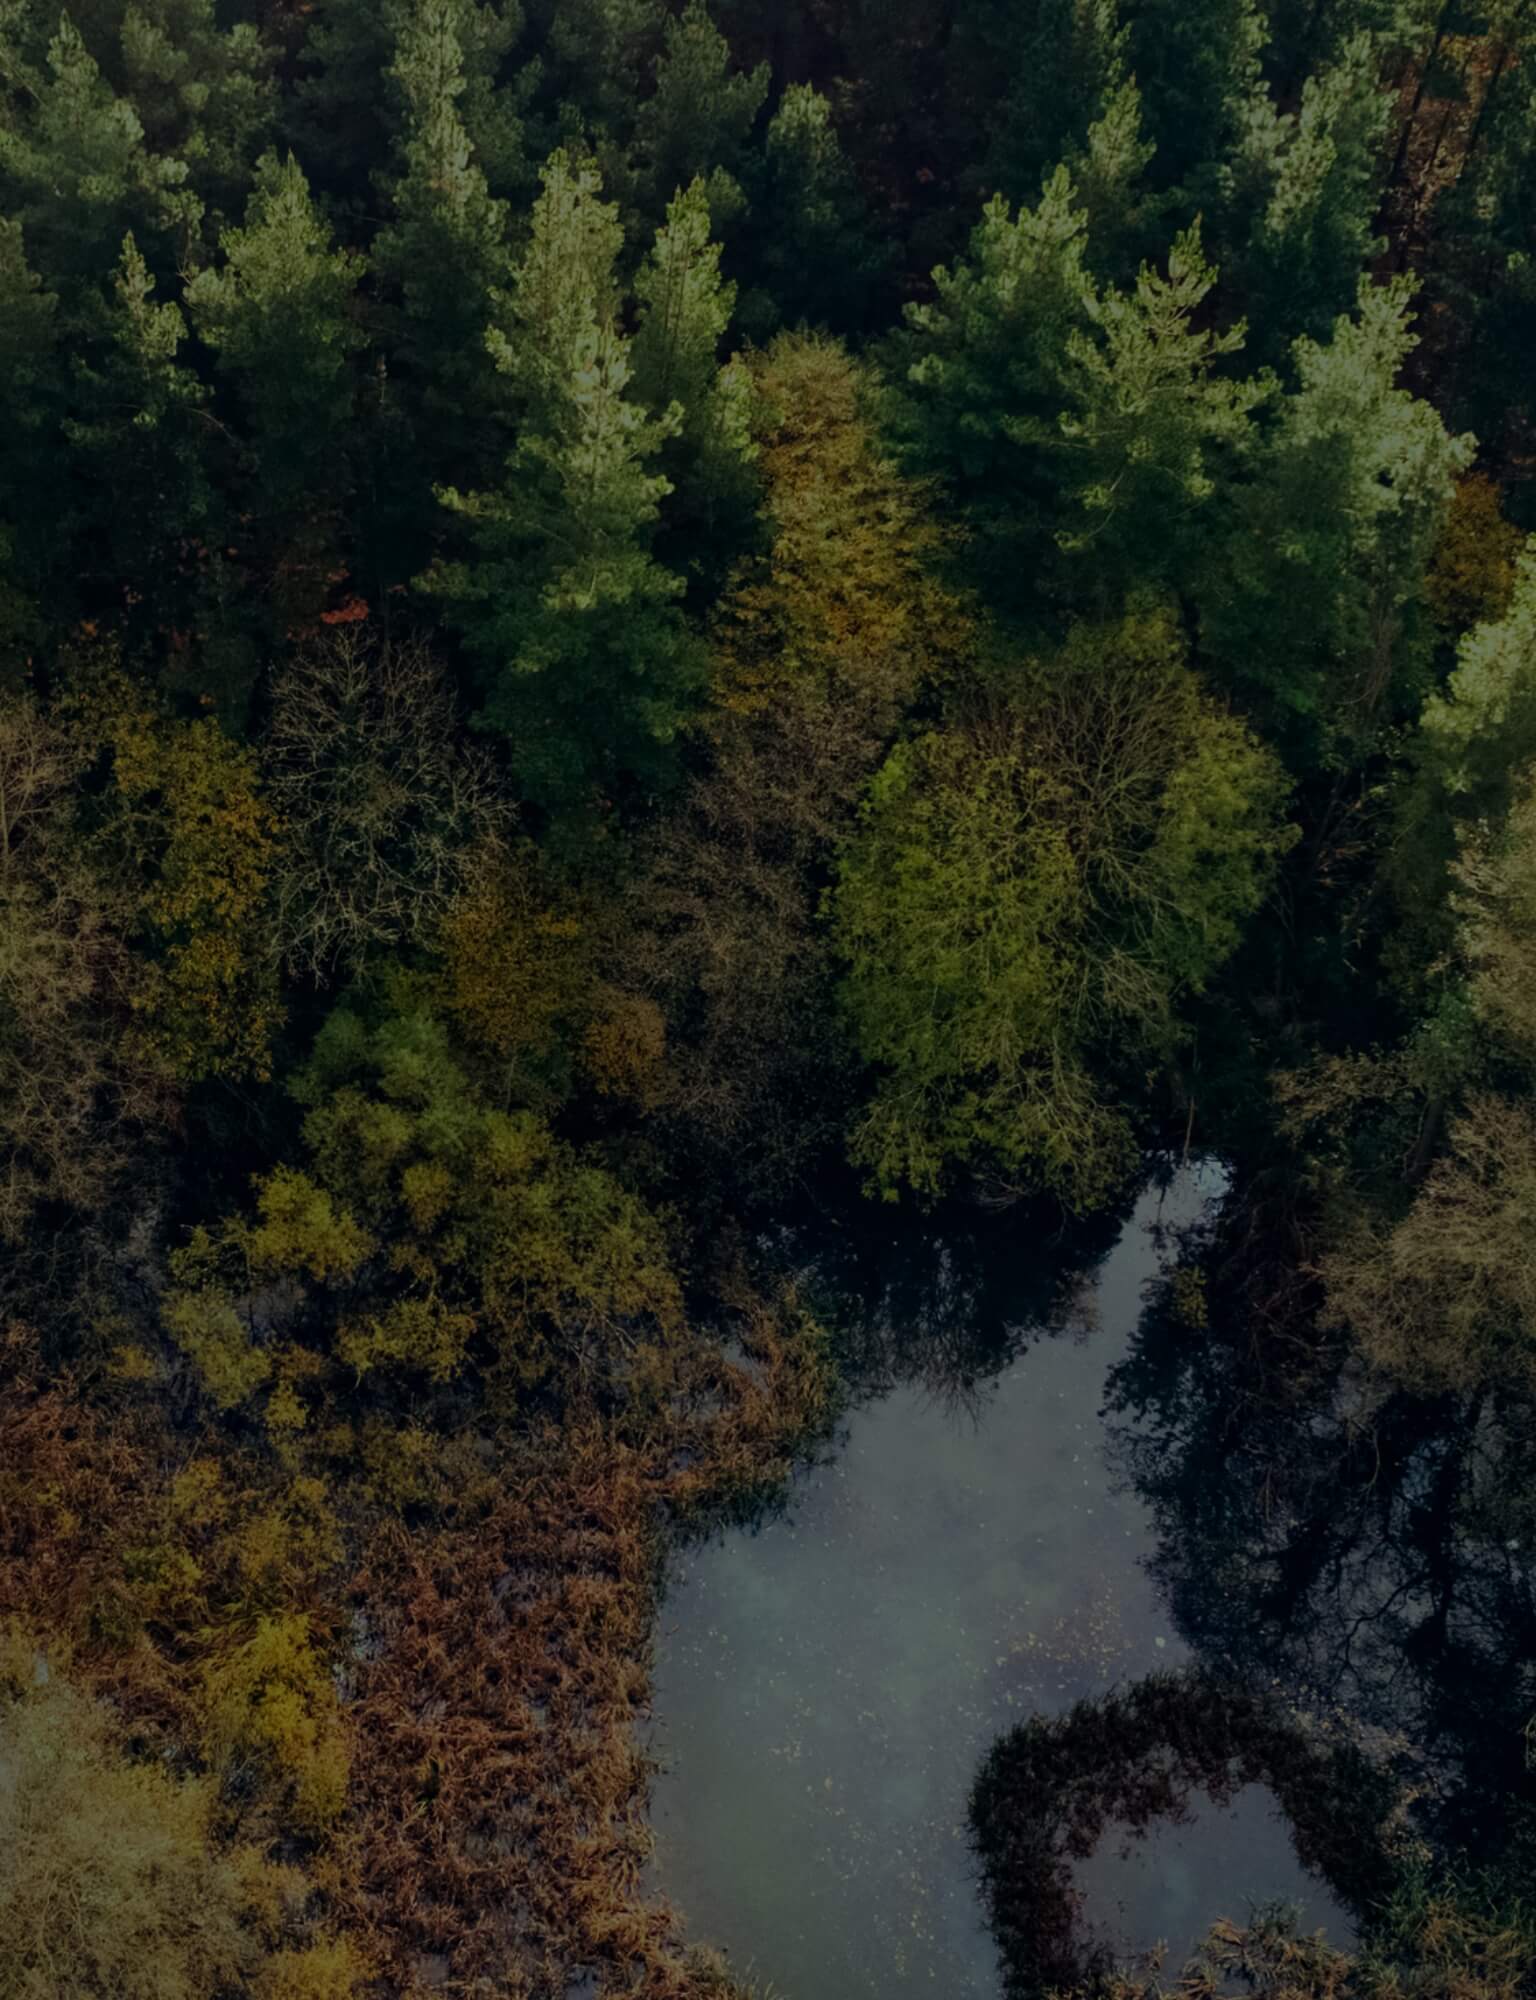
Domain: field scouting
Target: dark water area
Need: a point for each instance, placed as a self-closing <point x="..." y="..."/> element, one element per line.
<point x="825" y="1686"/>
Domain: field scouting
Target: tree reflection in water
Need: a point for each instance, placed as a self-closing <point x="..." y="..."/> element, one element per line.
<point x="1365" y="1550"/>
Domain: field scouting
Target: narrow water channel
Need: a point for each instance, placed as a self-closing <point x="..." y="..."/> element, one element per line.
<point x="825" y="1686"/>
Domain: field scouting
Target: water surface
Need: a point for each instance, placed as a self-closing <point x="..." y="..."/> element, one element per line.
<point x="825" y="1687"/>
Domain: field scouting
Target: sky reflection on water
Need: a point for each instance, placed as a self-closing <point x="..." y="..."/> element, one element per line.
<point x="825" y="1687"/>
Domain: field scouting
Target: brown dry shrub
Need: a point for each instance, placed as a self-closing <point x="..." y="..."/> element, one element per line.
<point x="500" y="1809"/>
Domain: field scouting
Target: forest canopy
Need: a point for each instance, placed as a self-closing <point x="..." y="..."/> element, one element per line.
<point x="618" y="618"/>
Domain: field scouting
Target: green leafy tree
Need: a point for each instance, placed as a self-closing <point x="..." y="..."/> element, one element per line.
<point x="429" y="1234"/>
<point x="587" y="663"/>
<point x="1025" y="903"/>
<point x="819" y="644"/>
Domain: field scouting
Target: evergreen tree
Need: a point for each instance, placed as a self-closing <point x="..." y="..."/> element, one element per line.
<point x="684" y="312"/>
<point x="697" y="121"/>
<point x="495" y="102"/>
<point x="1314" y="600"/>
<point x="1067" y="60"/>
<point x="278" y="312"/>
<point x="353" y="103"/>
<point x="30" y="396"/>
<point x="1072" y="422"/>
<point x="587" y="664"/>
<point x="1109" y="172"/>
<point x="1297" y="264"/>
<point x="983" y="379"/>
<point x="1482" y="254"/>
<point x="808" y="252"/>
<point x="1478" y="734"/>
<point x="596" y="53"/>
<point x="205" y="93"/>
<point x="137" y="443"/>
<point x="1197" y="63"/>
<point x="1154" y="431"/>
<point x="76" y="173"/>
<point x="444" y="254"/>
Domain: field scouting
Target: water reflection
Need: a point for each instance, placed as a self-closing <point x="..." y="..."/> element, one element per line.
<point x="825" y="1689"/>
<point x="1367" y="1551"/>
<point x="1153" y="1888"/>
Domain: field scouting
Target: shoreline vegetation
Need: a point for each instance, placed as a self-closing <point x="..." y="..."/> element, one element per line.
<point x="627" y="626"/>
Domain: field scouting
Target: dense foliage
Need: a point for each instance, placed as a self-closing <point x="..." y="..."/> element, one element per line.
<point x="611" y="612"/>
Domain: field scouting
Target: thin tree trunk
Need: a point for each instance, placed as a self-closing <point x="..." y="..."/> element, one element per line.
<point x="1425" y="69"/>
<point x="1434" y="156"/>
<point x="1500" y="67"/>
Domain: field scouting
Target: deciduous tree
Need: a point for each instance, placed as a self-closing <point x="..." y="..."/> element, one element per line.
<point x="1034" y="890"/>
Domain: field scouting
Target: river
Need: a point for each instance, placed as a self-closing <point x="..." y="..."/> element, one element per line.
<point x="825" y="1686"/>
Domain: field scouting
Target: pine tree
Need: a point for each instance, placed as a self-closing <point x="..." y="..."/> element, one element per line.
<point x="684" y="312"/>
<point x="1301" y="263"/>
<point x="1483" y="249"/>
<point x="596" y="53"/>
<point x="352" y="104"/>
<point x="278" y="312"/>
<point x="587" y="664"/>
<point x="808" y="251"/>
<point x="1478" y="734"/>
<point x="984" y="371"/>
<point x="30" y="397"/>
<point x="444" y="254"/>
<point x="1197" y="65"/>
<point x="205" y="94"/>
<point x="137" y="445"/>
<point x="1109" y="171"/>
<point x="1066" y="59"/>
<point x="1314" y="601"/>
<point x="1308" y="35"/>
<point x="1154" y="429"/>
<point x="76" y="173"/>
<point x="697" y="121"/>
